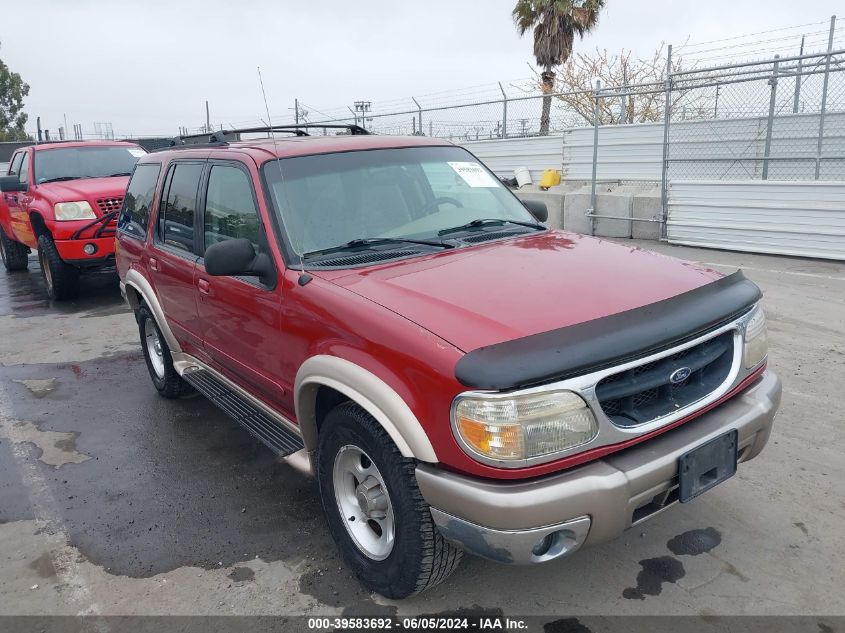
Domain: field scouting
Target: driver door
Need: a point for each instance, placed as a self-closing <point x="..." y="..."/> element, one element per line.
<point x="239" y="316"/>
<point x="18" y="201"/>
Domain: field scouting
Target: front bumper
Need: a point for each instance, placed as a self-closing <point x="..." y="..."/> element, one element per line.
<point x="71" y="251"/>
<point x="593" y="503"/>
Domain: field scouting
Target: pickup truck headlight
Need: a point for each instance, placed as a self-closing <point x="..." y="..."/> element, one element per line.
<point x="523" y="426"/>
<point x="756" y="339"/>
<point x="74" y="211"/>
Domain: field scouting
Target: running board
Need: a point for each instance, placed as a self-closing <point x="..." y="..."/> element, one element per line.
<point x="259" y="424"/>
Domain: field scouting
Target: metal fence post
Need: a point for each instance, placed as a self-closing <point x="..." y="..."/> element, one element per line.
<point x="419" y="110"/>
<point x="504" y="111"/>
<point x="823" y="110"/>
<point x="797" y="99"/>
<point x="767" y="152"/>
<point x="667" y="117"/>
<point x="595" y="159"/>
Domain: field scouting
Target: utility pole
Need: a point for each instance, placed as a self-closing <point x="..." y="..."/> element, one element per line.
<point x="363" y="107"/>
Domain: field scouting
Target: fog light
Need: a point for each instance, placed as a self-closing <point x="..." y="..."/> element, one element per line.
<point x="90" y="249"/>
<point x="544" y="545"/>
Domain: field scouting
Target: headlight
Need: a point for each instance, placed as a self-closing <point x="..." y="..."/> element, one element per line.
<point x="523" y="426"/>
<point x="74" y="211"/>
<point x="756" y="339"/>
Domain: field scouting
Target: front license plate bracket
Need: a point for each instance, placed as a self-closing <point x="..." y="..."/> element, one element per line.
<point x="706" y="466"/>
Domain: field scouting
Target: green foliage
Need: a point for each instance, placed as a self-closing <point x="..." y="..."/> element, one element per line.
<point x="13" y="89"/>
<point x="555" y="24"/>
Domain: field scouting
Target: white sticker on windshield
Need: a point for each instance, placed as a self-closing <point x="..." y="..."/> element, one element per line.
<point x="137" y="152"/>
<point x="473" y="174"/>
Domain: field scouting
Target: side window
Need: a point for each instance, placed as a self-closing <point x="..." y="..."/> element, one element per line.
<point x="15" y="165"/>
<point x="230" y="210"/>
<point x="135" y="214"/>
<point x="24" y="172"/>
<point x="177" y="220"/>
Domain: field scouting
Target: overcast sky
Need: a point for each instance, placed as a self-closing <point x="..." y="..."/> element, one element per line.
<point x="147" y="66"/>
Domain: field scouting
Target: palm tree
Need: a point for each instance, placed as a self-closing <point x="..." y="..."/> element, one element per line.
<point x="555" y="23"/>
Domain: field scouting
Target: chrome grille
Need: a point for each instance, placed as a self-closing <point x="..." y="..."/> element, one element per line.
<point x="107" y="205"/>
<point x="646" y="392"/>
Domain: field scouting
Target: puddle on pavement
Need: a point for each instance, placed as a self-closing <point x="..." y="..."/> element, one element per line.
<point x="695" y="542"/>
<point x="161" y="484"/>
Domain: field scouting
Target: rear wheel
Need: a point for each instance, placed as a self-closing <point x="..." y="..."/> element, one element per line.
<point x="157" y="355"/>
<point x="14" y="254"/>
<point x="375" y="511"/>
<point x="61" y="279"/>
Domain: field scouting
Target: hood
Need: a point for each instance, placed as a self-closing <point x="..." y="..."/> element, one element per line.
<point x="504" y="290"/>
<point x="84" y="189"/>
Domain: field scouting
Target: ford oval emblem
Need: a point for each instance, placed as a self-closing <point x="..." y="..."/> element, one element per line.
<point x="679" y="375"/>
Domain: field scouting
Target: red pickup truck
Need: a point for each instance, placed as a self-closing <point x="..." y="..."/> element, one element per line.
<point x="63" y="199"/>
<point x="457" y="376"/>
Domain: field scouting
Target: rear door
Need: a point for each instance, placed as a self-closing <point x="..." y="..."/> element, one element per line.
<point x="174" y="253"/>
<point x="239" y="315"/>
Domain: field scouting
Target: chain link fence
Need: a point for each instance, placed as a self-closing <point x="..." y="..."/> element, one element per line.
<point x="776" y="119"/>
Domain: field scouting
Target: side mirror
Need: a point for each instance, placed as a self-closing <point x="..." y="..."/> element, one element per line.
<point x="12" y="183"/>
<point x="231" y="258"/>
<point x="537" y="208"/>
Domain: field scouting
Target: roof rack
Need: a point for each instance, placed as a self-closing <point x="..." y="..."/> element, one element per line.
<point x="223" y="137"/>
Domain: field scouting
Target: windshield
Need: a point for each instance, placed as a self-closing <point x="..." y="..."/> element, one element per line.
<point x="329" y="200"/>
<point x="71" y="163"/>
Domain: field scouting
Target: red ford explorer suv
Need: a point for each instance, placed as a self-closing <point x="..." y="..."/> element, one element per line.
<point x="63" y="199"/>
<point x="457" y="376"/>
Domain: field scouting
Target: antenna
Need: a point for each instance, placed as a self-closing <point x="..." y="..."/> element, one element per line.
<point x="304" y="277"/>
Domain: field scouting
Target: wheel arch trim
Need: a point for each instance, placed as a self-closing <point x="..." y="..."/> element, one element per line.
<point x="135" y="280"/>
<point x="367" y="390"/>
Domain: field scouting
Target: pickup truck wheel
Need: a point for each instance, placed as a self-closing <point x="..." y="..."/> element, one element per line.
<point x="61" y="279"/>
<point x="165" y="378"/>
<point x="14" y="254"/>
<point x="375" y="510"/>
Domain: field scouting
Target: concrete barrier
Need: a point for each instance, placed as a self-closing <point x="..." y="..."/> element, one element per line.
<point x="647" y="205"/>
<point x="568" y="204"/>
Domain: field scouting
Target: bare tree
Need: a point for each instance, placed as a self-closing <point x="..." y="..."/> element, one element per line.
<point x="633" y="89"/>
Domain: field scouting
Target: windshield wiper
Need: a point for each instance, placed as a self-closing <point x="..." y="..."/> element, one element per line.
<point x="61" y="179"/>
<point x="488" y="221"/>
<point x="375" y="241"/>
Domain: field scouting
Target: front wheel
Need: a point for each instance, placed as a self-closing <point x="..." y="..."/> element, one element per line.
<point x="14" y="254"/>
<point x="374" y="508"/>
<point x="166" y="379"/>
<point x="61" y="279"/>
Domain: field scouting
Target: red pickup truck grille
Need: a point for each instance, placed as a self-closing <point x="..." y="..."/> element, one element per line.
<point x="107" y="205"/>
<point x="647" y="392"/>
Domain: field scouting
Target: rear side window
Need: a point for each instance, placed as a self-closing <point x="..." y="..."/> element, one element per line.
<point x="176" y="224"/>
<point x="135" y="215"/>
<point x="230" y="210"/>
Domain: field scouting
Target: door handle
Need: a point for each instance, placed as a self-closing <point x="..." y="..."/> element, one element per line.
<point x="153" y="264"/>
<point x="204" y="287"/>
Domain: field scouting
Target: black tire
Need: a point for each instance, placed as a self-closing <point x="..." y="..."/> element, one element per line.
<point x="167" y="382"/>
<point x="61" y="279"/>
<point x="420" y="557"/>
<point x="15" y="255"/>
